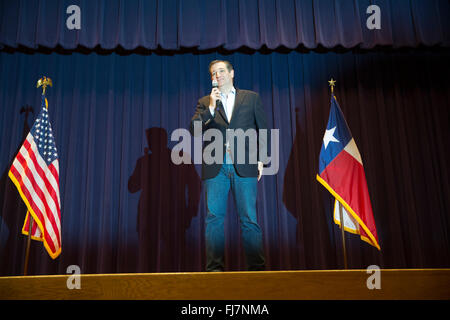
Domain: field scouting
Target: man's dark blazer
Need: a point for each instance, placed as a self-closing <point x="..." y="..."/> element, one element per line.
<point x="248" y="113"/>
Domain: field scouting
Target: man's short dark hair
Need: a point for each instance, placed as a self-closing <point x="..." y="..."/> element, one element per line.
<point x="227" y="64"/>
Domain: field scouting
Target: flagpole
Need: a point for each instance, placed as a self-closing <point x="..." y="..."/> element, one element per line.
<point x="341" y="218"/>
<point x="332" y="83"/>
<point x="27" y="253"/>
<point x="30" y="223"/>
<point x="43" y="82"/>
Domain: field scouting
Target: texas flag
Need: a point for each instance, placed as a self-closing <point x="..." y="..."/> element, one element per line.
<point x="341" y="171"/>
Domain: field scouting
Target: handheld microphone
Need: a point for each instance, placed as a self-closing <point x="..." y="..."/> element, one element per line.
<point x="215" y="84"/>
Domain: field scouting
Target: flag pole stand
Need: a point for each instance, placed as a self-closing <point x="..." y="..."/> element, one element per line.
<point x="27" y="252"/>
<point x="341" y="219"/>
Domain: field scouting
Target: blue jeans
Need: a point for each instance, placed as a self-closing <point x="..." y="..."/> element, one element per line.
<point x="244" y="191"/>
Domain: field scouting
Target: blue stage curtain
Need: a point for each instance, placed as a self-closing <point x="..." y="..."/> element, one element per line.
<point x="228" y="24"/>
<point x="126" y="209"/>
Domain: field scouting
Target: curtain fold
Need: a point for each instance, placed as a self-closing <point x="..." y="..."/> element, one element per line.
<point x="231" y="24"/>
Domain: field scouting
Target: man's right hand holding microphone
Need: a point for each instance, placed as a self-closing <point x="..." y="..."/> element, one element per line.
<point x="214" y="96"/>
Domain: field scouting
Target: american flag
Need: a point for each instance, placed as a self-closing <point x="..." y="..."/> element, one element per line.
<point x="35" y="172"/>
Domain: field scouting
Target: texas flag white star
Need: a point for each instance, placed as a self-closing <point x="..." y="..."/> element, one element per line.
<point x="329" y="137"/>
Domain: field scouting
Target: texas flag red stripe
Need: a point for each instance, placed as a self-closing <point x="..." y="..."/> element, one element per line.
<point x="345" y="175"/>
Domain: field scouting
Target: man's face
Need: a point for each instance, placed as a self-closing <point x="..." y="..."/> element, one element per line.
<point x="220" y="73"/>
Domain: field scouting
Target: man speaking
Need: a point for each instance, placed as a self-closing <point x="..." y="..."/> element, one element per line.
<point x="241" y="111"/>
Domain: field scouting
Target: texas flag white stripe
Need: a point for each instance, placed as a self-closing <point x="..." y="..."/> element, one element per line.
<point x="352" y="149"/>
<point x="349" y="222"/>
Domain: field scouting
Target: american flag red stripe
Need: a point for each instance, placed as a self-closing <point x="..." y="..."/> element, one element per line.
<point x="39" y="181"/>
<point x="35" y="172"/>
<point x="47" y="177"/>
<point x="37" y="200"/>
<point x="55" y="172"/>
<point x="35" y="208"/>
<point x="23" y="187"/>
<point x="42" y="195"/>
<point x="35" y="231"/>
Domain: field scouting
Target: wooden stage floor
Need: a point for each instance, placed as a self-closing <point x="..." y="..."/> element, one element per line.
<point x="402" y="284"/>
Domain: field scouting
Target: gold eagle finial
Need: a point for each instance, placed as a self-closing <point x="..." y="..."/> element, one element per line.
<point x="44" y="82"/>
